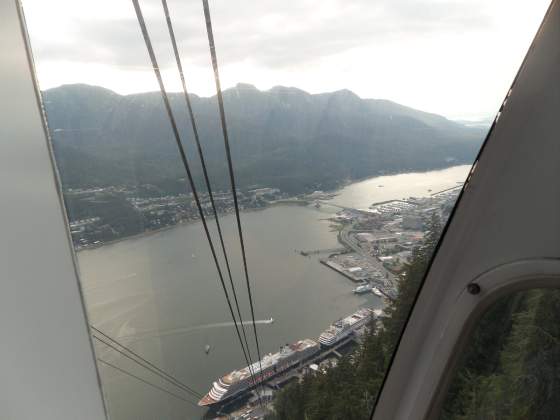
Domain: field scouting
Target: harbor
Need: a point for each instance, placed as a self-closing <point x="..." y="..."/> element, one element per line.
<point x="378" y="243"/>
<point x="292" y="362"/>
<point x="248" y="401"/>
<point x="147" y="291"/>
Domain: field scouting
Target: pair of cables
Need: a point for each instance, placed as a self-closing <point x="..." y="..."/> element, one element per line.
<point x="125" y="351"/>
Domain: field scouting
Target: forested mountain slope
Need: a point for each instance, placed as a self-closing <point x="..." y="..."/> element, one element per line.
<point x="283" y="137"/>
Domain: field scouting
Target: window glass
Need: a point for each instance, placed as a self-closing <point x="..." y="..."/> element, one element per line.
<point x="511" y="364"/>
<point x="352" y="127"/>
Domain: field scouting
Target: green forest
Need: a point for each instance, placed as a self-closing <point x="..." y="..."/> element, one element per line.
<point x="509" y="370"/>
<point x="282" y="138"/>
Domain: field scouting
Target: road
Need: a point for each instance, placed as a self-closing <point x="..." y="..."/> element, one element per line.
<point x="345" y="237"/>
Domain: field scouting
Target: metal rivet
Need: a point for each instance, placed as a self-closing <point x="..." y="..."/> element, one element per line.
<point x="473" y="288"/>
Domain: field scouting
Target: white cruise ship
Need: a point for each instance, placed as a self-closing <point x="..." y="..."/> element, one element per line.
<point x="238" y="381"/>
<point x="343" y="327"/>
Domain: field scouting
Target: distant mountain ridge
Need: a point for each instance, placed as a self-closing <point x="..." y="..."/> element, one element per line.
<point x="283" y="137"/>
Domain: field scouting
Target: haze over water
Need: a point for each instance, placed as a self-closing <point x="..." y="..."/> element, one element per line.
<point x="160" y="293"/>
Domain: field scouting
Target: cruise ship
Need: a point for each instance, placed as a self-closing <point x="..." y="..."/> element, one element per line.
<point x="343" y="327"/>
<point x="238" y="381"/>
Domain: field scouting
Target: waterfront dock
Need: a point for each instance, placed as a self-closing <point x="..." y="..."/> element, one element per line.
<point x="338" y="250"/>
<point x="340" y="270"/>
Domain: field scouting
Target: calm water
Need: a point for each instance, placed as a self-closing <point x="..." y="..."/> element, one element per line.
<point x="161" y="295"/>
<point x="392" y="187"/>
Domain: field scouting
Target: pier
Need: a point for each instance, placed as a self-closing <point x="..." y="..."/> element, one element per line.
<point x="338" y="250"/>
<point x="340" y="270"/>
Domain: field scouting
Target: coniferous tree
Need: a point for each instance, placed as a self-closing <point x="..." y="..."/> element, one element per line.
<point x="524" y="382"/>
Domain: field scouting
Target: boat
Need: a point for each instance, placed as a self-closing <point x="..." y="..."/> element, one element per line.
<point x="207" y="348"/>
<point x="364" y="288"/>
<point x="344" y="327"/>
<point x="235" y="383"/>
<point x="376" y="291"/>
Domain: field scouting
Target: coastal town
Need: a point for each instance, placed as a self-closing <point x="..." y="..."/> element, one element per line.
<point x="106" y="214"/>
<point x="376" y="243"/>
<point x="387" y="231"/>
<point x="374" y="246"/>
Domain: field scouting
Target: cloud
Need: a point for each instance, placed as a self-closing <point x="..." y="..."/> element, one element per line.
<point x="455" y="57"/>
<point x="268" y="32"/>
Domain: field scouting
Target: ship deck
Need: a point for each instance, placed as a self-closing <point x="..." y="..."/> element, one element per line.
<point x="276" y="381"/>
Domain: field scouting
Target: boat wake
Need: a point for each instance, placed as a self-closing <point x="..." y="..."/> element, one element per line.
<point x="141" y="335"/>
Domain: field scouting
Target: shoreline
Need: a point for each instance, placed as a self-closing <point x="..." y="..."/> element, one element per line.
<point x="345" y="183"/>
<point x="126" y="238"/>
<point x="282" y="202"/>
<point x="152" y="232"/>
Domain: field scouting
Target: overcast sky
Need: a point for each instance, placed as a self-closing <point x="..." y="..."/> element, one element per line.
<point x="453" y="57"/>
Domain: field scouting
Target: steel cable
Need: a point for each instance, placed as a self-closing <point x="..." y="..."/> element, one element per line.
<point x="144" y="363"/>
<point x="145" y="381"/>
<point x="183" y="156"/>
<point x="204" y="169"/>
<point x="230" y="166"/>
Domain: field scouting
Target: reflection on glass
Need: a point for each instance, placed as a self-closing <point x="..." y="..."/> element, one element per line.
<point x="343" y="198"/>
<point x="511" y="365"/>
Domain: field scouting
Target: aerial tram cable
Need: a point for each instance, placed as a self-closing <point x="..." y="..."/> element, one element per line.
<point x="183" y="156"/>
<point x="196" y="395"/>
<point x="143" y="362"/>
<point x="204" y="170"/>
<point x="106" y="363"/>
<point x="230" y="165"/>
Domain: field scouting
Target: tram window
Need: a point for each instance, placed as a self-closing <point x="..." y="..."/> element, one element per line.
<point x="511" y="365"/>
<point x="340" y="198"/>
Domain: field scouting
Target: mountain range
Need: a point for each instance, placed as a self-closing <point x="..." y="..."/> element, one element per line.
<point x="283" y="137"/>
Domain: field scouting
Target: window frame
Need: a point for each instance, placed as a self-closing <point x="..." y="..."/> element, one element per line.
<point x="499" y="282"/>
<point x="501" y="235"/>
<point x="47" y="361"/>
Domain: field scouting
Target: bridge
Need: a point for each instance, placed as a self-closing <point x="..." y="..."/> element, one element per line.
<point x="328" y="203"/>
